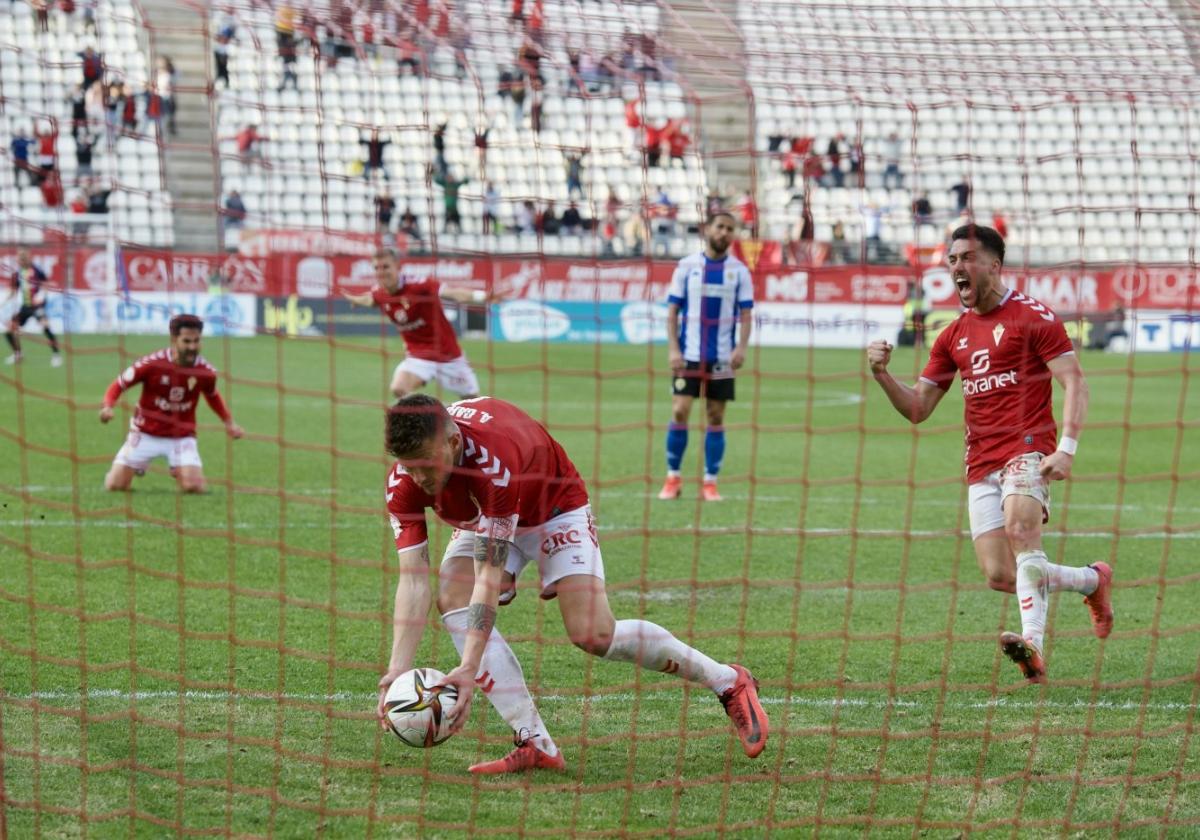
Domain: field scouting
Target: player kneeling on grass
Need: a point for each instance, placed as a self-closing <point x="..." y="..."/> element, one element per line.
<point x="1007" y="347"/>
<point x="496" y="474"/>
<point x="164" y="425"/>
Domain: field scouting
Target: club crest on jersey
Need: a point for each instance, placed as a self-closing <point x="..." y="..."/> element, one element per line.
<point x="962" y="343"/>
<point x="166" y="380"/>
<point x="997" y="333"/>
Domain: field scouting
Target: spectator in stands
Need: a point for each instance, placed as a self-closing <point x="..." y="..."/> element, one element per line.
<point x="164" y="85"/>
<point x="572" y="221"/>
<point x="375" y="144"/>
<point x="97" y="199"/>
<point x="129" y="122"/>
<point x="516" y="93"/>
<point x="113" y="100"/>
<point x="840" y="248"/>
<point x="653" y="143"/>
<point x="872" y="215"/>
<point x="408" y="54"/>
<point x="460" y="42"/>
<point x="287" y="60"/>
<point x="481" y="145"/>
<point x="576" y="86"/>
<point x="78" y="99"/>
<point x="249" y="145"/>
<point x="574" y="165"/>
<point x="1000" y="223"/>
<point x="714" y="202"/>
<point x="800" y="246"/>
<point x="84" y="143"/>
<point x="41" y="14"/>
<point x="94" y="103"/>
<point x="409" y="227"/>
<point x="439" y="147"/>
<point x="922" y="209"/>
<point x="450" y="187"/>
<point x="19" y="151"/>
<point x="535" y="106"/>
<point x="678" y="141"/>
<point x="235" y="211"/>
<point x="892" y="152"/>
<point x="155" y="107"/>
<point x="525" y="217"/>
<point x="858" y="172"/>
<point x="664" y="212"/>
<point x="78" y="207"/>
<point x="547" y="222"/>
<point x="747" y="210"/>
<point x="51" y="187"/>
<point x="814" y="169"/>
<point x="491" y="209"/>
<point x="962" y="194"/>
<point x="47" y="143"/>
<point x="385" y="207"/>
<point x="788" y="165"/>
<point x="89" y="15"/>
<point x="221" y="43"/>
<point x="285" y="23"/>
<point x="775" y="137"/>
<point x="833" y="155"/>
<point x="93" y="66"/>
<point x="633" y="232"/>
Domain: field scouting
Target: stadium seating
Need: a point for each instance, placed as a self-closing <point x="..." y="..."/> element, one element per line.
<point x="312" y="175"/>
<point x="37" y="73"/>
<point x="1066" y="173"/>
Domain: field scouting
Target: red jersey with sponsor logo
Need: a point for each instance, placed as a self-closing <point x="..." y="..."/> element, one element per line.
<point x="1007" y="386"/>
<point x="170" y="392"/>
<point x="416" y="310"/>
<point x="512" y="474"/>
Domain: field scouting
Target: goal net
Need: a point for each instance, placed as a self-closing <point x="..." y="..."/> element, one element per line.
<point x="207" y="663"/>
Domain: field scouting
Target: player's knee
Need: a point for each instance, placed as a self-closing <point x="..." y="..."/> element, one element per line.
<point x="590" y="640"/>
<point x="1002" y="582"/>
<point x="116" y="483"/>
<point x="192" y="484"/>
<point x="1022" y="535"/>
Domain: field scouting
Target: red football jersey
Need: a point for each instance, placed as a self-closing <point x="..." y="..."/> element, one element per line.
<point x="167" y="407"/>
<point x="416" y="310"/>
<point x="511" y="474"/>
<point x="1007" y="387"/>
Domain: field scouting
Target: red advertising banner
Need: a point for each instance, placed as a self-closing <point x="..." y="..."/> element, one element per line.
<point x="1068" y="290"/>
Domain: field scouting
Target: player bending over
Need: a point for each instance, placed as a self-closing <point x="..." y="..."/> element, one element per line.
<point x="415" y="307"/>
<point x="495" y="473"/>
<point x="1006" y="347"/>
<point x="164" y="425"/>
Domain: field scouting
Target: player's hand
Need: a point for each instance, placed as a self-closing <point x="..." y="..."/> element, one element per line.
<point x="879" y="353"/>
<point x="106" y="414"/>
<point x="463" y="680"/>
<point x="675" y="360"/>
<point x="1056" y="466"/>
<point x="385" y="682"/>
<point x="737" y="358"/>
<point x="234" y="430"/>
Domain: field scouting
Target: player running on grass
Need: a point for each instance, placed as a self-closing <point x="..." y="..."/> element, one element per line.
<point x="164" y="425"/>
<point x="495" y="473"/>
<point x="26" y="285"/>
<point x="415" y="307"/>
<point x="1006" y="347"/>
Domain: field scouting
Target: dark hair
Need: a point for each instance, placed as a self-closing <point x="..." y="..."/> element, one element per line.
<point x="185" y="322"/>
<point x="712" y="217"/>
<point x="412" y="422"/>
<point x="380" y="253"/>
<point x="988" y="237"/>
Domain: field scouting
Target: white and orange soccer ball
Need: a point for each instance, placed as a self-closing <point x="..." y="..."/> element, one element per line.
<point x="417" y="708"/>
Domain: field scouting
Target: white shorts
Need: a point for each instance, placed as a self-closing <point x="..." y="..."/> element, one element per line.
<point x="1019" y="477"/>
<point x="566" y="545"/>
<point x="140" y="449"/>
<point x="455" y="375"/>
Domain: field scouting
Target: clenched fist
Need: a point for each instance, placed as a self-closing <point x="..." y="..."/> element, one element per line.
<point x="879" y="353"/>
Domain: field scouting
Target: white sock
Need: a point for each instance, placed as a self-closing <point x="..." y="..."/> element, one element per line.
<point x="674" y="474"/>
<point x="650" y="646"/>
<point x="500" y="678"/>
<point x="1081" y="579"/>
<point x="1032" y="581"/>
<point x="709" y="478"/>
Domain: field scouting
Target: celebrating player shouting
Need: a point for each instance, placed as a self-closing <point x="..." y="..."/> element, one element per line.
<point x="164" y="425"/>
<point x="495" y="473"/>
<point x="415" y="307"/>
<point x="1007" y="346"/>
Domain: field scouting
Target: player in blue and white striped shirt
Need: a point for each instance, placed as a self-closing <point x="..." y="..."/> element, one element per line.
<point x="708" y="330"/>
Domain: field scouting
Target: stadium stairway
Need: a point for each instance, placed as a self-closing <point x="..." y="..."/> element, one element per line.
<point x="709" y="51"/>
<point x="179" y="31"/>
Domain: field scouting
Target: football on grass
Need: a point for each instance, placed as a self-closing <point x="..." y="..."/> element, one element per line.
<point x="417" y="707"/>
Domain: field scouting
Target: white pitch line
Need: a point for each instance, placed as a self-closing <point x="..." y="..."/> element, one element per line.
<point x="704" y="529"/>
<point x="100" y="694"/>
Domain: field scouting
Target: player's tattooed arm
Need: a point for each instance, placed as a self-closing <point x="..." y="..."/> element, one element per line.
<point x="490" y="551"/>
<point x="481" y="617"/>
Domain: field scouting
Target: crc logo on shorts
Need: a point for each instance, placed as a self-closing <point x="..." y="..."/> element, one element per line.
<point x="980" y="362"/>
<point x="560" y="541"/>
<point x="680" y="383"/>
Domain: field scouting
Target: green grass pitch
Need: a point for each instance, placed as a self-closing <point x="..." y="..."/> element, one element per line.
<point x="207" y="665"/>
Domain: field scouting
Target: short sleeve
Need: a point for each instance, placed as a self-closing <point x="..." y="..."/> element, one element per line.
<point x="677" y="291"/>
<point x="496" y="487"/>
<point x="1049" y="338"/>
<point x="941" y="368"/>
<point x="379" y="296"/>
<point x="406" y="512"/>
